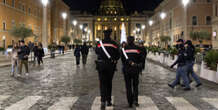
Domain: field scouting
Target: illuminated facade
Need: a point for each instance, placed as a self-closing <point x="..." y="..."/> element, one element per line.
<point x="111" y="14"/>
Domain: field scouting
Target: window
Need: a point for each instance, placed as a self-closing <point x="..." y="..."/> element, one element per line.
<point x="208" y="20"/>
<point x="194" y="20"/>
<point x="4" y="26"/>
<point x="208" y="1"/>
<point x="194" y="0"/>
<point x="13" y="3"/>
<point x="29" y="10"/>
<point x="4" y="1"/>
<point x="23" y="7"/>
<point x="13" y="22"/>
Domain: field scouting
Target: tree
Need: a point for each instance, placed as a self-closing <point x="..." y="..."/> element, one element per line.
<point x="65" y="39"/>
<point x="77" y="41"/>
<point x="165" y="40"/>
<point x="21" y="32"/>
<point x="200" y="36"/>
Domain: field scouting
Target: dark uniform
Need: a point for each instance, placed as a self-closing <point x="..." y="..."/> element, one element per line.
<point x="106" y="67"/>
<point x="181" y="68"/>
<point x="144" y="53"/>
<point x="190" y="61"/>
<point x="132" y="68"/>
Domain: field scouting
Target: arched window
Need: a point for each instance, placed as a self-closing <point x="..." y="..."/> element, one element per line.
<point x="208" y="20"/>
<point x="4" y="26"/>
<point x="194" y="20"/>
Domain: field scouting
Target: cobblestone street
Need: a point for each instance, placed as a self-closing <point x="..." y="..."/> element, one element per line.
<point x="60" y="85"/>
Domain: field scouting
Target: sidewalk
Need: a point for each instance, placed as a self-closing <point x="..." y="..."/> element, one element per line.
<point x="7" y="62"/>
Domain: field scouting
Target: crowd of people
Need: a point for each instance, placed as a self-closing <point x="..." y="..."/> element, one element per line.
<point x="20" y="56"/>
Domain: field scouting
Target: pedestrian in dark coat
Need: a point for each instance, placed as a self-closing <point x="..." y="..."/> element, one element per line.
<point x="106" y="66"/>
<point x="144" y="53"/>
<point x="40" y="54"/>
<point x="132" y="59"/>
<point x="77" y="54"/>
<point x="85" y="52"/>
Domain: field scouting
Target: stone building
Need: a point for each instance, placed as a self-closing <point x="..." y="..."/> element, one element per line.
<point x="179" y="20"/>
<point x="30" y="14"/>
<point x="110" y="14"/>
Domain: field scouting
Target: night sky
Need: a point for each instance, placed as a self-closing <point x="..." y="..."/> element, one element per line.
<point x="130" y="5"/>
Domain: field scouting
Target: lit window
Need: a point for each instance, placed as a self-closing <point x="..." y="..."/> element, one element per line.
<point x="194" y="20"/>
<point x="208" y="20"/>
<point x="105" y="19"/>
<point x="4" y="26"/>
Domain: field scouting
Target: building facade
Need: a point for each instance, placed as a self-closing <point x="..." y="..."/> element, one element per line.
<point x="30" y="14"/>
<point x="111" y="14"/>
<point x="215" y="24"/>
<point x="180" y="21"/>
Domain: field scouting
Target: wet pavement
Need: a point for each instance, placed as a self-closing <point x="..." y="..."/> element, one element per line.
<point x="59" y="83"/>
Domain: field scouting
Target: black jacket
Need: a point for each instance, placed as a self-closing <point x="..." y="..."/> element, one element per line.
<point x="181" y="60"/>
<point x="85" y="50"/>
<point x="40" y="52"/>
<point x="135" y="56"/>
<point x="111" y="47"/>
<point x="190" y="53"/>
<point x="23" y="52"/>
<point x="144" y="52"/>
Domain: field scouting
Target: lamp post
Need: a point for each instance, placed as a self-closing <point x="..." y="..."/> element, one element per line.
<point x="44" y="24"/>
<point x="185" y="3"/>
<point x="74" y="27"/>
<point x="143" y="33"/>
<point x="150" y="22"/>
<point x="64" y="16"/>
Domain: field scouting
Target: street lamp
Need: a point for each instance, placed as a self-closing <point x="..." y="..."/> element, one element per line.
<point x="74" y="22"/>
<point x="45" y="2"/>
<point x="64" y="16"/>
<point x="44" y="24"/>
<point x="150" y="22"/>
<point x="81" y="26"/>
<point x="185" y="2"/>
<point x="143" y="27"/>
<point x="163" y="15"/>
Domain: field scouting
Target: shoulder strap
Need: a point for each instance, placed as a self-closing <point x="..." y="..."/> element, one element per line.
<point x="124" y="53"/>
<point x="105" y="51"/>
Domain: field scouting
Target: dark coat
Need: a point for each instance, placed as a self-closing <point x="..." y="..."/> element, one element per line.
<point x="77" y="52"/>
<point x="85" y="50"/>
<point x="23" y="52"/>
<point x="40" y="53"/>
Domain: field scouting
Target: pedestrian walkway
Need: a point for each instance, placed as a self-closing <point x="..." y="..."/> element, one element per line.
<point x="67" y="103"/>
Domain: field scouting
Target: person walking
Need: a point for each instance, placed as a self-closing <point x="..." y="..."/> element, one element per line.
<point x="14" y="60"/>
<point x="107" y="56"/>
<point x="144" y="53"/>
<point x="35" y="48"/>
<point x="40" y="55"/>
<point x="85" y="52"/>
<point x="190" y="59"/>
<point x="132" y="59"/>
<point x="77" y="54"/>
<point x="23" y="53"/>
<point x="181" y="68"/>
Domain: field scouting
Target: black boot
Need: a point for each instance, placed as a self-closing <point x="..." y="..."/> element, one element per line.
<point x="109" y="103"/>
